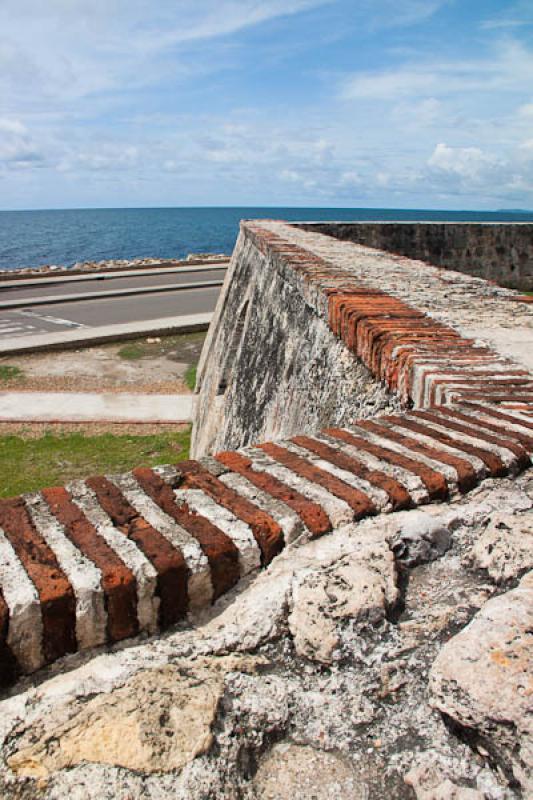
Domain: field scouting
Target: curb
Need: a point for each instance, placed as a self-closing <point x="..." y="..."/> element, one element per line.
<point x="68" y="340"/>
<point x="105" y="275"/>
<point x="17" y="275"/>
<point x="100" y="421"/>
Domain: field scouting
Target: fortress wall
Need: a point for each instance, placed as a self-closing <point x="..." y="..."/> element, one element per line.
<point x="106" y="559"/>
<point x="272" y="366"/>
<point x="499" y="252"/>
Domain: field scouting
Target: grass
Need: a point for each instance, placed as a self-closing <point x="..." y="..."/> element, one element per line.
<point x="7" y="372"/>
<point x="27" y="465"/>
<point x="131" y="352"/>
<point x="190" y="376"/>
<point x="181" y="346"/>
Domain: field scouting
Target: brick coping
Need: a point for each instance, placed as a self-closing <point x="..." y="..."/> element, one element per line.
<point x="103" y="560"/>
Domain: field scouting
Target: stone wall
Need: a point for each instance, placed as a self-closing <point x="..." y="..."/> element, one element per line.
<point x="271" y="365"/>
<point x="386" y="659"/>
<point x="500" y="252"/>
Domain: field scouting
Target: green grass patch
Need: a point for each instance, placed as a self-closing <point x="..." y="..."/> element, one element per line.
<point x="27" y="465"/>
<point x="131" y="352"/>
<point x="183" y="347"/>
<point x="8" y="372"/>
<point x="190" y="376"/>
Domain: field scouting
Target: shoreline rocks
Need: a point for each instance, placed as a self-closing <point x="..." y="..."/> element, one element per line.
<point x="110" y="264"/>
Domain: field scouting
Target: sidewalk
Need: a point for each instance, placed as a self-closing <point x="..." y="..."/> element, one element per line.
<point x="93" y="407"/>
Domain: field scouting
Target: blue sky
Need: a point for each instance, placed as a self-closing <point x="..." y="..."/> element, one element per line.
<point x="384" y="103"/>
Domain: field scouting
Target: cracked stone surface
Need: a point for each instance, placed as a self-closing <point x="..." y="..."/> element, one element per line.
<point x="505" y="549"/>
<point x="361" y="587"/>
<point x="483" y="680"/>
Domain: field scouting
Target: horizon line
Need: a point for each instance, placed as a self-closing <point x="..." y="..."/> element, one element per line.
<point x="267" y="206"/>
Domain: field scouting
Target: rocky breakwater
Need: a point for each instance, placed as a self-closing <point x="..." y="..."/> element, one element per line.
<point x="113" y="264"/>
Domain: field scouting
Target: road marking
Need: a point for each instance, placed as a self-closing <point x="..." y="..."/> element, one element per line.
<point x="13" y="328"/>
<point x="54" y="320"/>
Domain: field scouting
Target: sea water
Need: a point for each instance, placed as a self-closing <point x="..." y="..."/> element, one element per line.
<point x="64" y="237"/>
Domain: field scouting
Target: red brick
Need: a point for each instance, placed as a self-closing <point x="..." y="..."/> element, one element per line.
<point x="466" y="475"/>
<point x="312" y="514"/>
<point x="523" y="460"/>
<point x="359" y="502"/>
<point x="56" y="596"/>
<point x="267" y="532"/>
<point x="493" y="462"/>
<point x="433" y="480"/>
<point x="398" y="495"/>
<point x="118" y="581"/>
<point x="168" y="561"/>
<point x="220" y="551"/>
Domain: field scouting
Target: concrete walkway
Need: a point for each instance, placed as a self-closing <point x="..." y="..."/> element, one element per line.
<point x="93" y="407"/>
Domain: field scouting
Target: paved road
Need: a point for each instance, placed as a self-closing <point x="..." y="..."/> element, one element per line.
<point x="74" y="315"/>
<point x="107" y="283"/>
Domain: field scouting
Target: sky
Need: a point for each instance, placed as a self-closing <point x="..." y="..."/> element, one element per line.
<point x="347" y="103"/>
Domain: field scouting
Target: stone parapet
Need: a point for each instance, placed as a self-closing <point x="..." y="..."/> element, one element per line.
<point x="113" y="557"/>
<point x="500" y="252"/>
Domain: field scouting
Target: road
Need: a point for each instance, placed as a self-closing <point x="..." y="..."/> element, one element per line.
<point x="52" y="286"/>
<point x="93" y="313"/>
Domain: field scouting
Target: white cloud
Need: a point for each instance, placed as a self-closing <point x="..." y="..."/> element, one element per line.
<point x="513" y="16"/>
<point x="67" y="49"/>
<point x="17" y="149"/>
<point x="509" y="69"/>
<point x="467" y="162"/>
<point x="391" y="13"/>
<point x="526" y="111"/>
<point x="109" y="157"/>
<point x="350" y="178"/>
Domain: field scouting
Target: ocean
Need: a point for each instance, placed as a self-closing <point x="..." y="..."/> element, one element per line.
<point x="35" y="238"/>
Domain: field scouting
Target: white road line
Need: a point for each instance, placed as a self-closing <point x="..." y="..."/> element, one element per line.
<point x="54" y="320"/>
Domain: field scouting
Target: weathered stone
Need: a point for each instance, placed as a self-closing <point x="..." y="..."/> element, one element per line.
<point x="158" y="721"/>
<point x="505" y="549"/>
<point x="500" y="252"/>
<point x="360" y="587"/>
<point x="291" y="772"/>
<point x="328" y="712"/>
<point x="272" y="368"/>
<point x="429" y="782"/>
<point x="421" y="538"/>
<point x="483" y="680"/>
